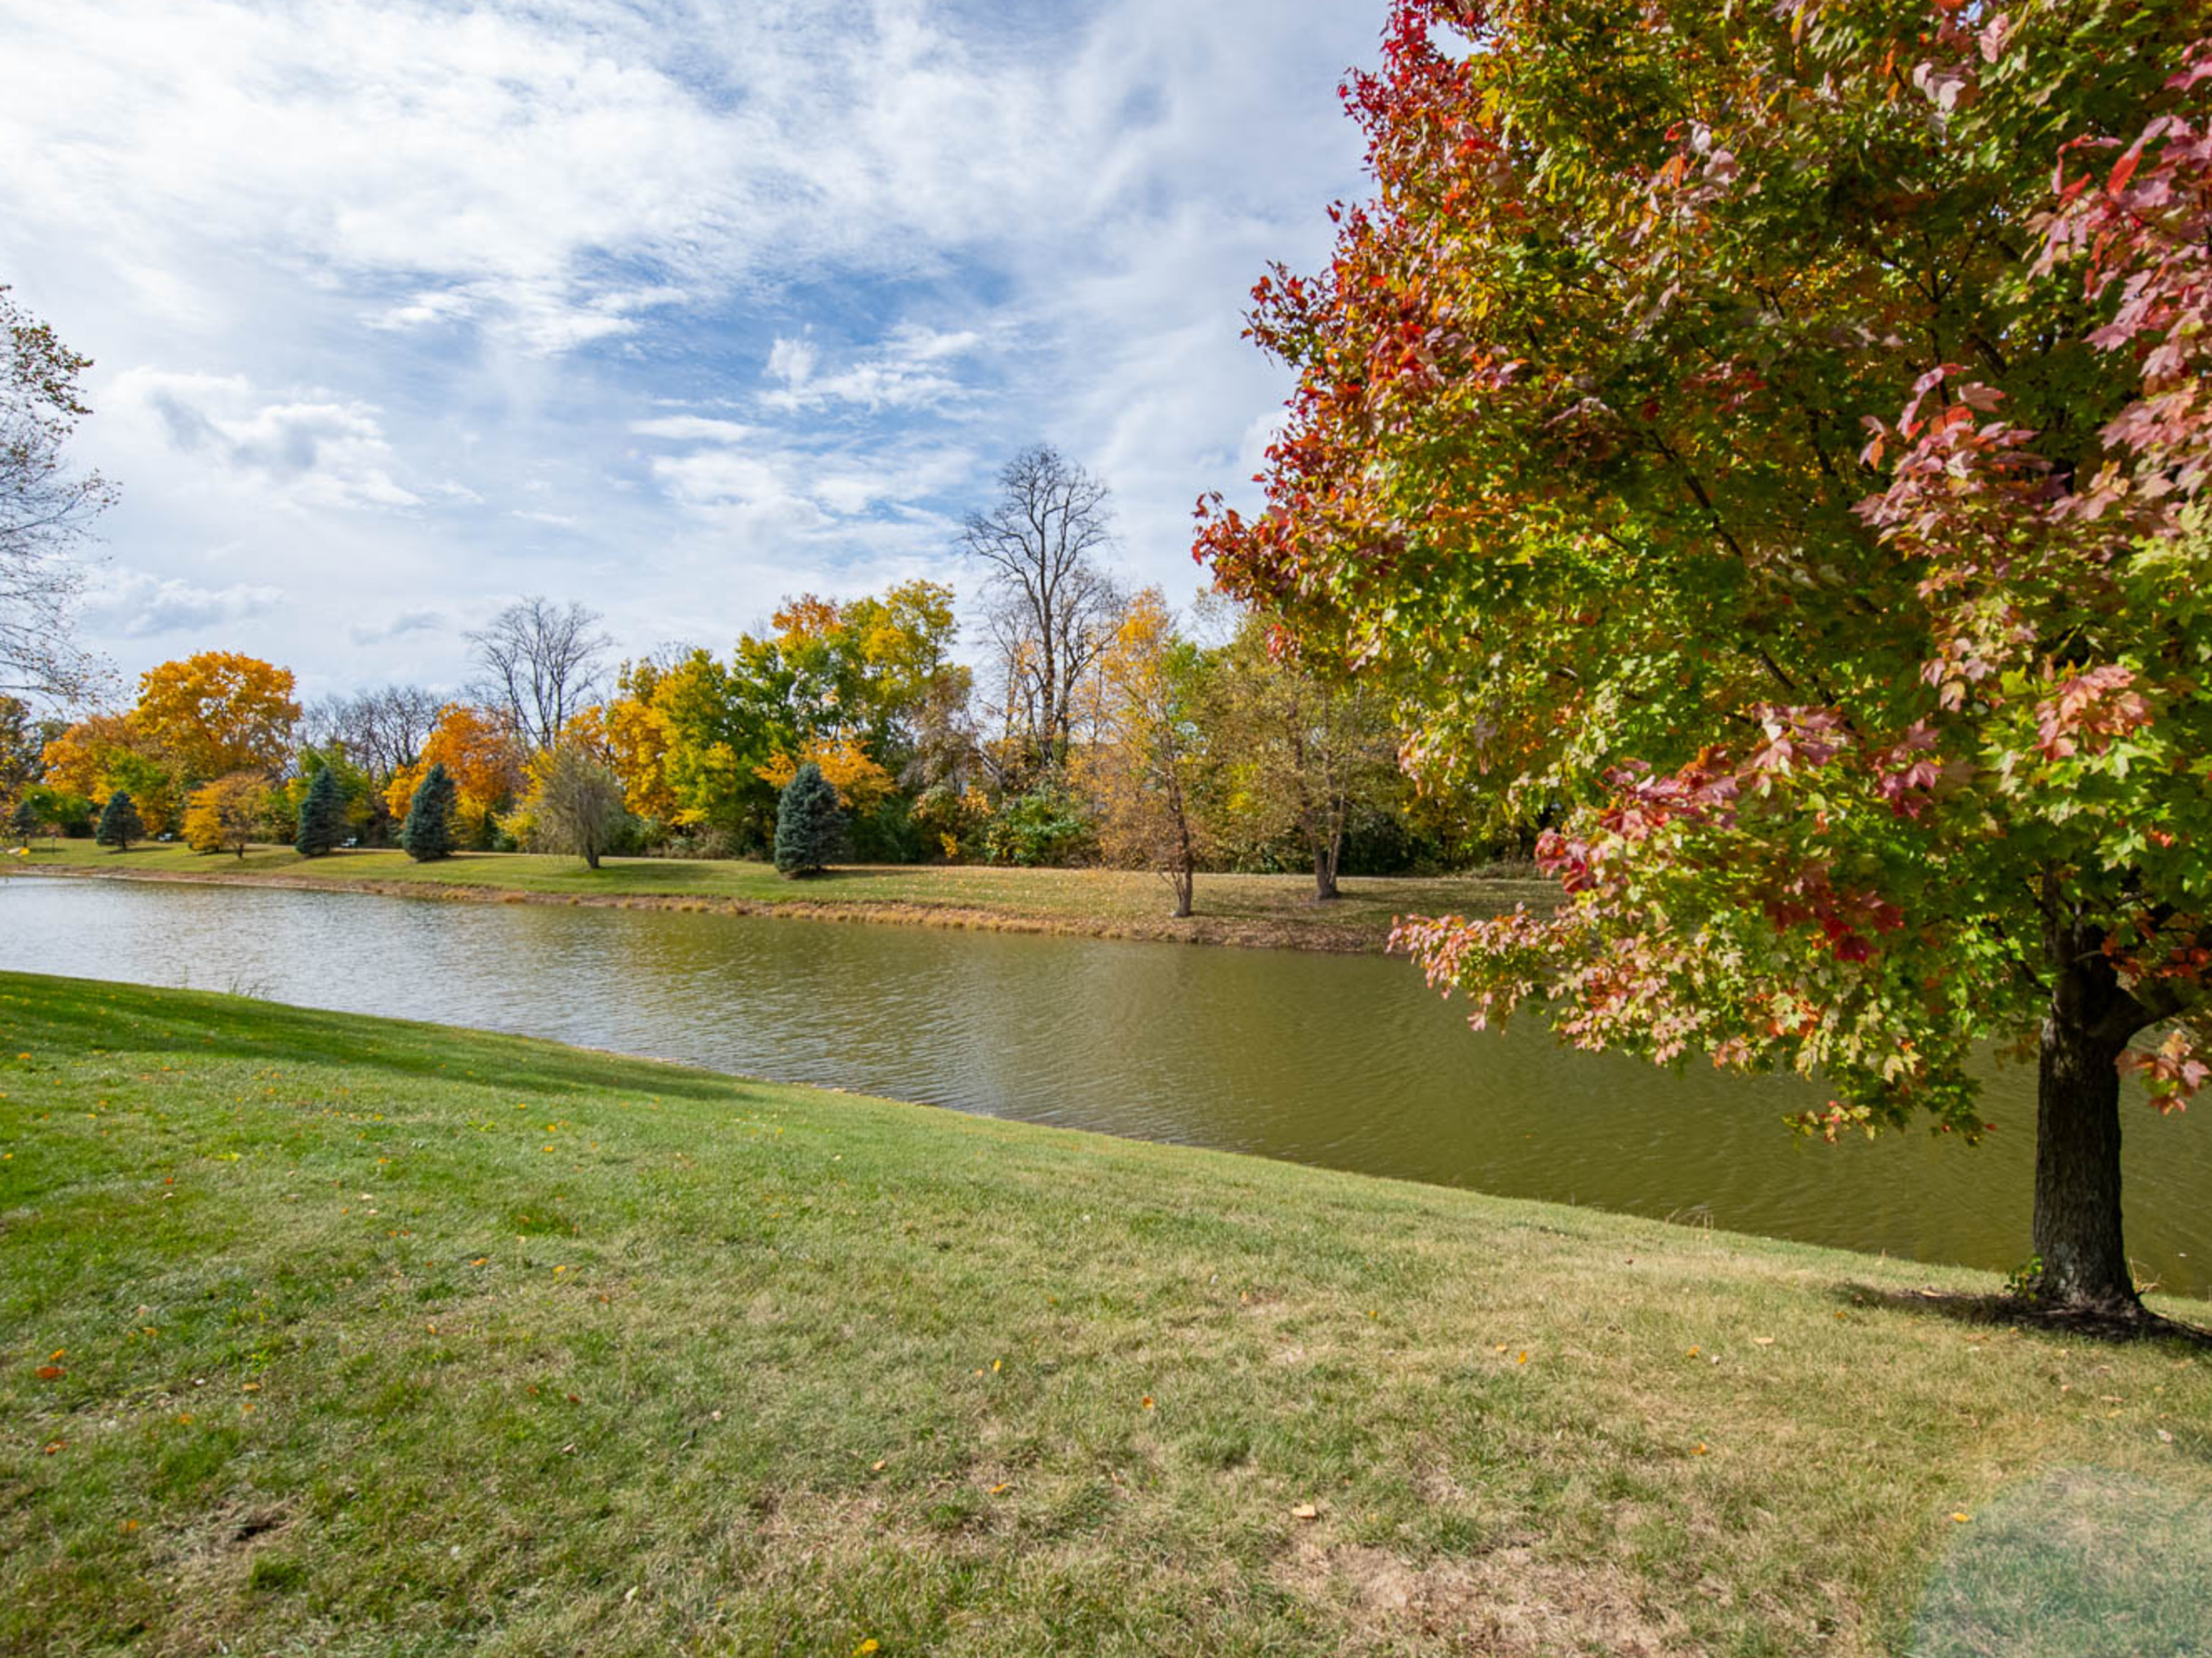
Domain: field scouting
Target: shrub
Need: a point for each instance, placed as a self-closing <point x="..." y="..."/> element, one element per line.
<point x="1048" y="825"/>
<point x="810" y="824"/>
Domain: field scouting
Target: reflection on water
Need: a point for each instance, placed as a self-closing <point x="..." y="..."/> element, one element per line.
<point x="1343" y="1061"/>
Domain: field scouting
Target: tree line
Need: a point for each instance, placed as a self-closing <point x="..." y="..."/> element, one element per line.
<point x="1106" y="730"/>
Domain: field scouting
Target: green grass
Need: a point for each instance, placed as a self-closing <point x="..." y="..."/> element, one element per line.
<point x="1250" y="909"/>
<point x="328" y="1334"/>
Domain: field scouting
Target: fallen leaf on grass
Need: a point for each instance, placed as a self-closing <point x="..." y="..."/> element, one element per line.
<point x="59" y="1444"/>
<point x="1762" y="1341"/>
<point x="1305" y="1511"/>
<point x="1962" y="1517"/>
<point x="50" y="1373"/>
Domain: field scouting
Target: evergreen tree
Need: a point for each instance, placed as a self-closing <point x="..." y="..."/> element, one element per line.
<point x="25" y="820"/>
<point x="810" y="823"/>
<point x="322" y="816"/>
<point x="119" y="824"/>
<point x="428" y="831"/>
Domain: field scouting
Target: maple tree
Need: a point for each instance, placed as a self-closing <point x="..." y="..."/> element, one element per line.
<point x="1778" y="456"/>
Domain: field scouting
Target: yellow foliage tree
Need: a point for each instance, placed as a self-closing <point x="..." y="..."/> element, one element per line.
<point x="218" y="713"/>
<point x="225" y="814"/>
<point x="1149" y="764"/>
<point x="478" y="754"/>
<point x="106" y="752"/>
<point x="637" y="744"/>
<point x="861" y="784"/>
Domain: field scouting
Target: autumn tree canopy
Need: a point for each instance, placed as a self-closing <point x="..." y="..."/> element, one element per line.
<point x="1779" y="457"/>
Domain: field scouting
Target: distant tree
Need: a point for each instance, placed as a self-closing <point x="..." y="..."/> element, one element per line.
<point x="46" y="509"/>
<point x="574" y="804"/>
<point x="427" y="834"/>
<point x="480" y="756"/>
<point x="539" y="664"/>
<point x="322" y="815"/>
<point x="1305" y="746"/>
<point x="861" y="784"/>
<point x="382" y="731"/>
<point x="1050" y="606"/>
<point x="1149" y="766"/>
<point x="23" y="738"/>
<point x="25" y="820"/>
<point x="810" y="824"/>
<point x="105" y="753"/>
<point x="216" y="712"/>
<point x="119" y="824"/>
<point x="223" y="815"/>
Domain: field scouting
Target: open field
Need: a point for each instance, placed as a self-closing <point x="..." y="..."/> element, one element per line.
<point x="1265" y="910"/>
<point x="331" y="1334"/>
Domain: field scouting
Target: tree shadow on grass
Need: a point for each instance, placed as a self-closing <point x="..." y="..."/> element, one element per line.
<point x="2022" y="1312"/>
<point x="83" y="1015"/>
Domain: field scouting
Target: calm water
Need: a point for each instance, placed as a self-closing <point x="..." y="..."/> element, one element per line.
<point x="1344" y="1061"/>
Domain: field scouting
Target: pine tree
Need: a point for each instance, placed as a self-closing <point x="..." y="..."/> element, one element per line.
<point x="26" y="822"/>
<point x="810" y="824"/>
<point x="119" y="824"/>
<point x="427" y="833"/>
<point x="322" y="816"/>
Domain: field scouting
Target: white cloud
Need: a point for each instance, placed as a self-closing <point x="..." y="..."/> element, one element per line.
<point x="139" y="605"/>
<point x="316" y="454"/>
<point x="406" y="622"/>
<point x="762" y="294"/>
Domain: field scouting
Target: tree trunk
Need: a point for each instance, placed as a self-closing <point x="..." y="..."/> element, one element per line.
<point x="2083" y="1261"/>
<point x="1184" y="880"/>
<point x="1326" y="855"/>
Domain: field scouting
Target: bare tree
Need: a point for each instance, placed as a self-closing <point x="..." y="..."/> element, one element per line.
<point x="540" y="664"/>
<point x="1049" y="608"/>
<point x="45" y="510"/>
<point x="382" y="730"/>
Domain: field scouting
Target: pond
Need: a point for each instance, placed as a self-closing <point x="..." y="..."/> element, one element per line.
<point x="1344" y="1061"/>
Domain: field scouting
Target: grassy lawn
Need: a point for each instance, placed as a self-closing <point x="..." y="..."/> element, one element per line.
<point x="1276" y="910"/>
<point x="328" y="1334"/>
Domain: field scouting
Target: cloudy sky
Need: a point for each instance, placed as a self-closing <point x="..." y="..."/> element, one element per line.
<point x="401" y="310"/>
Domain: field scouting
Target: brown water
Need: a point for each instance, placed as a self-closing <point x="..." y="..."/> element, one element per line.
<point x="1348" y="1062"/>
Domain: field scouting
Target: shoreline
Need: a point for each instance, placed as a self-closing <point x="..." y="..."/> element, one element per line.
<point x="1317" y="935"/>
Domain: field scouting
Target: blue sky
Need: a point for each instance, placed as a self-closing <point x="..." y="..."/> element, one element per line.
<point x="402" y="310"/>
